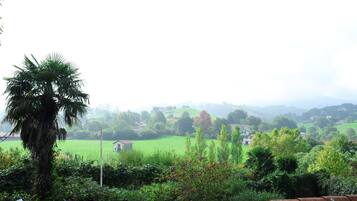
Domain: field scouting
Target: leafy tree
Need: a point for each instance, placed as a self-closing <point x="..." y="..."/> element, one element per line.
<point x="185" y="124"/>
<point x="332" y="161"/>
<point x="264" y="126"/>
<point x="95" y="125"/>
<point x="283" y="143"/>
<point x="254" y="121"/>
<point x="204" y="121"/>
<point x="157" y="117"/>
<point x="313" y="133"/>
<point x="223" y="149"/>
<point x="217" y="124"/>
<point x="260" y="161"/>
<point x="237" y="116"/>
<point x="130" y="118"/>
<point x="322" y="122"/>
<point x="329" y="132"/>
<point x="145" y="116"/>
<point x="212" y="152"/>
<point x="37" y="92"/>
<point x="343" y="145"/>
<point x="236" y="148"/>
<point x="200" y="145"/>
<point x="282" y="121"/>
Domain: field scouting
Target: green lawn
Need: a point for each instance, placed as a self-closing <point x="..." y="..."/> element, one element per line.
<point x="343" y="127"/>
<point x="89" y="149"/>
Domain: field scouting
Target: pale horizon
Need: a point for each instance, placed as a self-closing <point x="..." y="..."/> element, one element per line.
<point x="139" y="54"/>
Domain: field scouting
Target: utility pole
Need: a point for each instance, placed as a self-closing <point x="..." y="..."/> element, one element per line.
<point x="101" y="158"/>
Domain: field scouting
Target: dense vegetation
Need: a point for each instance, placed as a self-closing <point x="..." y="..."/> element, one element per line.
<point x="207" y="171"/>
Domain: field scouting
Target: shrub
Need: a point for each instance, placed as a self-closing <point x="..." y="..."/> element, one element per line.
<point x="160" y="192"/>
<point x="202" y="181"/>
<point x="16" y="178"/>
<point x="16" y="196"/>
<point x="119" y="176"/>
<point x="339" y="185"/>
<point x="132" y="157"/>
<point x="148" y="134"/>
<point x="162" y="158"/>
<point x="260" y="161"/>
<point x="9" y="158"/>
<point x="252" y="195"/>
<point x="287" y="164"/>
<point x="125" y="134"/>
<point x="85" y="189"/>
<point x="292" y="186"/>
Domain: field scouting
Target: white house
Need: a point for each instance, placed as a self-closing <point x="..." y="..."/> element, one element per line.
<point x="122" y="145"/>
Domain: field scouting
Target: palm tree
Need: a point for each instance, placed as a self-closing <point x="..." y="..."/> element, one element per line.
<point x="36" y="95"/>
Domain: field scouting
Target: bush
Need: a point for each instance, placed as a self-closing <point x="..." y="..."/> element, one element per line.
<point x="148" y="134"/>
<point x="260" y="161"/>
<point x="15" y="196"/>
<point x="9" y="158"/>
<point x="120" y="176"/>
<point x="202" y="181"/>
<point x="339" y="185"/>
<point x="16" y="178"/>
<point x="162" y="158"/>
<point x="85" y="189"/>
<point x="160" y="192"/>
<point x="292" y="186"/>
<point x="133" y="158"/>
<point x="252" y="195"/>
<point x="287" y="164"/>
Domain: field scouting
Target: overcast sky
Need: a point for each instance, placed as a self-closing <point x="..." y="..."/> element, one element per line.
<point x="137" y="53"/>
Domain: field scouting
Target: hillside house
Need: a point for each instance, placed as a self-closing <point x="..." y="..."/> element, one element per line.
<point x="247" y="134"/>
<point x="122" y="145"/>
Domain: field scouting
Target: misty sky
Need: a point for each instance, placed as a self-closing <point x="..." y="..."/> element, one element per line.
<point x="137" y="53"/>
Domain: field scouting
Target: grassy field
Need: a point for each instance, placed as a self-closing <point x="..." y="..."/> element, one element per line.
<point x="89" y="149"/>
<point x="341" y="127"/>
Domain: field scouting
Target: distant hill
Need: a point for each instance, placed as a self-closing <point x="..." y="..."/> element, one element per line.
<point x="267" y="112"/>
<point x="346" y="111"/>
<point x="178" y="111"/>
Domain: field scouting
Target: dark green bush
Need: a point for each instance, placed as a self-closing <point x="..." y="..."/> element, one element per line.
<point x="252" y="195"/>
<point x="121" y="176"/>
<point x="15" y="196"/>
<point x="160" y="192"/>
<point x="202" y="181"/>
<point x="287" y="164"/>
<point x="10" y="158"/>
<point x="85" y="189"/>
<point x="16" y="178"/>
<point x="291" y="185"/>
<point x="339" y="185"/>
<point x="260" y="161"/>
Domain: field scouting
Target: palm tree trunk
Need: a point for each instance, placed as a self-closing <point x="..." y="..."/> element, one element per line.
<point x="42" y="161"/>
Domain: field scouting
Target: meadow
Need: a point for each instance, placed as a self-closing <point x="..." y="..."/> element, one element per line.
<point x="89" y="149"/>
<point x="342" y="127"/>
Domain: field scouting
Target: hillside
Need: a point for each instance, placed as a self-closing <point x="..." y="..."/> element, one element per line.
<point x="343" y="112"/>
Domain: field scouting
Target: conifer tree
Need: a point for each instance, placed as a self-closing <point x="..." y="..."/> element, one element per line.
<point x="223" y="149"/>
<point x="212" y="152"/>
<point x="236" y="149"/>
<point x="200" y="146"/>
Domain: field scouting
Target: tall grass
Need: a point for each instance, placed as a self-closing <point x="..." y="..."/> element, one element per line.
<point x="137" y="158"/>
